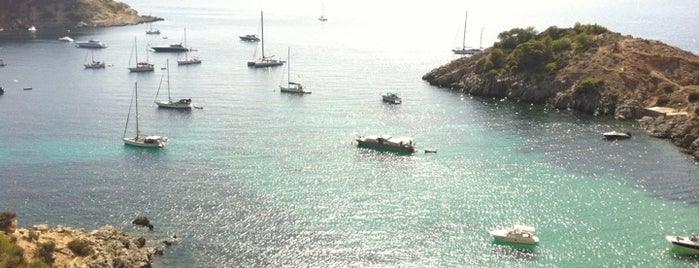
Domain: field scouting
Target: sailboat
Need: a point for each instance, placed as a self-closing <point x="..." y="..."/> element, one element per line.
<point x="153" y="141"/>
<point x="292" y="87"/>
<point x="141" y="66"/>
<point x="464" y="50"/>
<point x="93" y="64"/>
<point x="170" y="103"/>
<point x="150" y="29"/>
<point x="188" y="60"/>
<point x="262" y="62"/>
<point x="322" y="15"/>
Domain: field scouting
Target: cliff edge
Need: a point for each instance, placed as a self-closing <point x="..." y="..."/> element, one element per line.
<point x="21" y="14"/>
<point x="590" y="69"/>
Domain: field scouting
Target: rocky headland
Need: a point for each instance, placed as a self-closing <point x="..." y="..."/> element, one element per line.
<point x="590" y="69"/>
<point x="43" y="246"/>
<point x="21" y="14"/>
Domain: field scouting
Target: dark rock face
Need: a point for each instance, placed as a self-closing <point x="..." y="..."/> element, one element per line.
<point x="143" y="221"/>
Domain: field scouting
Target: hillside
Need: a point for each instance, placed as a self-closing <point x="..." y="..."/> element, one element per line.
<point x="589" y="69"/>
<point x="21" y="14"/>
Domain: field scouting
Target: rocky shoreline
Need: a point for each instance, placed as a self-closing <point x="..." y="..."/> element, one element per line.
<point x="588" y="69"/>
<point x="20" y="15"/>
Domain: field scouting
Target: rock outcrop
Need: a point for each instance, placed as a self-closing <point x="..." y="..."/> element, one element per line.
<point x="68" y="13"/>
<point x="588" y="69"/>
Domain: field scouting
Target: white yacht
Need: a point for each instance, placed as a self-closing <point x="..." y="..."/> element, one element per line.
<point x="392" y="97"/>
<point x="519" y="234"/>
<point x="92" y="43"/>
<point x="386" y="142"/>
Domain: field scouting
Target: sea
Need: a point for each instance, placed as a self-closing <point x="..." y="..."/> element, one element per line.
<point x="260" y="178"/>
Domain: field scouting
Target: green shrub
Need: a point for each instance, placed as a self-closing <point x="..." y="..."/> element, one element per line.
<point x="584" y="42"/>
<point x="589" y="84"/>
<point x="80" y="247"/>
<point x="46" y="251"/>
<point x="6" y="220"/>
<point x="551" y="67"/>
<point x="561" y="44"/>
<point x="10" y="253"/>
<point x="530" y="56"/>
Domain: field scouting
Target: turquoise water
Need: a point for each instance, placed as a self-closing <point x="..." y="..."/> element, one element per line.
<point x="260" y="178"/>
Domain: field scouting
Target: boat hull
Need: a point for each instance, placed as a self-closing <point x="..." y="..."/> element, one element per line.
<point x="265" y="63"/>
<point x="142" y="143"/>
<point x="173" y="105"/>
<point x="188" y="62"/>
<point x="170" y="49"/>
<point x="292" y="89"/>
<point x="505" y="236"/>
<point x="684" y="244"/>
<point x="386" y="146"/>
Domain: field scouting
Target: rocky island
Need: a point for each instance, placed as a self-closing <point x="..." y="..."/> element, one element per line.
<point x="68" y="13"/>
<point x="590" y="69"/>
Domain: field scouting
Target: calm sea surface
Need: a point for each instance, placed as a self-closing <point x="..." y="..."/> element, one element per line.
<point x="258" y="178"/>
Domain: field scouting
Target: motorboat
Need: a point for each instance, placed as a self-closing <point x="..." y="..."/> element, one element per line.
<point x="616" y="135"/>
<point x="249" y="38"/>
<point x="66" y="39"/>
<point x="177" y="47"/>
<point x="690" y="244"/>
<point x="92" y="43"/>
<point x="518" y="234"/>
<point x="386" y="142"/>
<point x="392" y="97"/>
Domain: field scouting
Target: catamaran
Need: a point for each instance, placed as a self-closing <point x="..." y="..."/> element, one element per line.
<point x="264" y="61"/>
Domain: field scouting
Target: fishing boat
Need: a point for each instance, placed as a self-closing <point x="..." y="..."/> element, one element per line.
<point x="386" y="142"/>
<point x="92" y="43"/>
<point x="187" y="59"/>
<point x="392" y="97"/>
<point x="93" y="64"/>
<point x="467" y="50"/>
<point x="141" y="66"/>
<point x="146" y="141"/>
<point x="170" y="103"/>
<point x="264" y="61"/>
<point x="518" y="234"/>
<point x="292" y="87"/>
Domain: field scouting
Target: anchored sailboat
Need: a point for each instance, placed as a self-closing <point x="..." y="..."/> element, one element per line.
<point x="464" y="50"/>
<point x="264" y="61"/>
<point x="292" y="87"/>
<point x="141" y="66"/>
<point x="170" y="103"/>
<point x="187" y="59"/>
<point x="152" y="141"/>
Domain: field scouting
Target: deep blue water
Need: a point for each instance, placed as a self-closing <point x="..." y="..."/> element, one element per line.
<point x="260" y="178"/>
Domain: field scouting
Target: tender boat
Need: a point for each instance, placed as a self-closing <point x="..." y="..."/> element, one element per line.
<point x="249" y="38"/>
<point x="66" y="39"/>
<point x="690" y="244"/>
<point x="519" y="234"/>
<point x="391" y="97"/>
<point x="92" y="43"/>
<point x="386" y="142"/>
<point x="616" y="135"/>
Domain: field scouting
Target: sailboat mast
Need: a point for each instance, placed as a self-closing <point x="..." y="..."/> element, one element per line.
<point x="288" y="70"/>
<point x="463" y="43"/>
<point x="135" y="49"/>
<point x="136" y="98"/>
<point x="262" y="26"/>
<point x="480" y="42"/>
<point x="167" y="66"/>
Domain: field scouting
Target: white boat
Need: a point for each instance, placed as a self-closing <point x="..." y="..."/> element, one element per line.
<point x="141" y="66"/>
<point x="392" y="97"/>
<point x="467" y="50"/>
<point x="322" y="15"/>
<point x="519" y="234"/>
<point x="150" y="29"/>
<point x="66" y="39"/>
<point x="616" y="135"/>
<point x="264" y="61"/>
<point x="170" y="103"/>
<point x="148" y="141"/>
<point x="386" y="142"/>
<point x="187" y="59"/>
<point x="32" y="29"/>
<point x="93" y="64"/>
<point x="92" y="43"/>
<point x="689" y="244"/>
<point x="292" y="87"/>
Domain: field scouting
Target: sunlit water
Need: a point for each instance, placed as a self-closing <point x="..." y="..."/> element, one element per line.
<point x="260" y="178"/>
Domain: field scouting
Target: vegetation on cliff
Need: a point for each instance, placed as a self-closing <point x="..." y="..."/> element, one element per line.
<point x="20" y="14"/>
<point x="589" y="69"/>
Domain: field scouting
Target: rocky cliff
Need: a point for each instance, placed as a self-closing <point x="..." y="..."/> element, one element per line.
<point x="589" y="69"/>
<point x="21" y="14"/>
